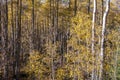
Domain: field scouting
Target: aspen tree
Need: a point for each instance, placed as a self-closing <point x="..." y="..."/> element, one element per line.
<point x="18" y="38"/>
<point x="75" y="7"/>
<point x="4" y="36"/>
<point x="53" y="33"/>
<point x="93" y="35"/>
<point x="32" y="28"/>
<point x="13" y="37"/>
<point x="4" y="29"/>
<point x="88" y="6"/>
<point x="103" y="38"/>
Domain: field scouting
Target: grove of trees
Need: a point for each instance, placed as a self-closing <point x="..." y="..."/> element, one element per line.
<point x="59" y="40"/>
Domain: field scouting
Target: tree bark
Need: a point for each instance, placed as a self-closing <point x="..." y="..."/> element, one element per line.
<point x="32" y="30"/>
<point x="93" y="36"/>
<point x="88" y="6"/>
<point x="75" y="7"/>
<point x="103" y="39"/>
<point x="4" y="35"/>
<point x="18" y="38"/>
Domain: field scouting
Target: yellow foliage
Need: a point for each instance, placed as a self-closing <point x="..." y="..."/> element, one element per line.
<point x="36" y="65"/>
<point x="79" y="55"/>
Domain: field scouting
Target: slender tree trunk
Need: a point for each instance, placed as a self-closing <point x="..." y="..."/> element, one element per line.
<point x="54" y="35"/>
<point x="93" y="37"/>
<point x="75" y="8"/>
<point x="4" y="29"/>
<point x="33" y="21"/>
<point x="103" y="39"/>
<point x="88" y="6"/>
<point x="18" y="40"/>
<point x="102" y="3"/>
<point x="13" y="38"/>
<point x="50" y="14"/>
<point x="0" y="33"/>
<point x="57" y="15"/>
<point x="53" y="70"/>
<point x="0" y="20"/>
<point x="32" y="29"/>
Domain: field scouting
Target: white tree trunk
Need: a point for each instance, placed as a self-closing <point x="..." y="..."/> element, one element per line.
<point x="103" y="38"/>
<point x="93" y="34"/>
